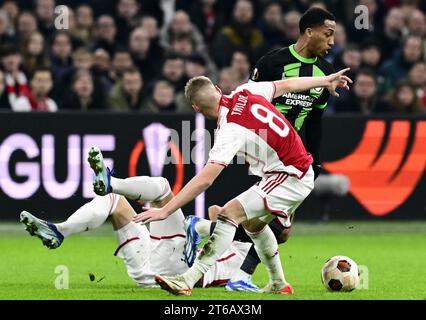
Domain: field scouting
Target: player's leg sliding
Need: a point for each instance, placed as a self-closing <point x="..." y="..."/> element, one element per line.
<point x="90" y="216"/>
<point x="196" y="229"/>
<point x="135" y="188"/>
<point x="134" y="245"/>
<point x="220" y="240"/>
<point x="102" y="181"/>
<point x="167" y="233"/>
<point x="155" y="190"/>
<point x="46" y="231"/>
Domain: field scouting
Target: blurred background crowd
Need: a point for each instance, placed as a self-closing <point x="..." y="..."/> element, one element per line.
<point x="136" y="55"/>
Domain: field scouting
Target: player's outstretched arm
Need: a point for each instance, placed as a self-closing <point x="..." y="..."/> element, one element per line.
<point x="193" y="188"/>
<point x="331" y="82"/>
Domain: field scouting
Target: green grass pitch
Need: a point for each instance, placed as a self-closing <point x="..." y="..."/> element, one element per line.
<point x="394" y="253"/>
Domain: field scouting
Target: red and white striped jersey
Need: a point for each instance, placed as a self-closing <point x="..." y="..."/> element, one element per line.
<point x="251" y="127"/>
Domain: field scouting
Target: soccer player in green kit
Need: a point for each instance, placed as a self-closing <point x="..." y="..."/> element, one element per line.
<point x="305" y="58"/>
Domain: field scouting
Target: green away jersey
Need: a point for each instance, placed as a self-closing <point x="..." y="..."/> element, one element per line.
<point x="286" y="63"/>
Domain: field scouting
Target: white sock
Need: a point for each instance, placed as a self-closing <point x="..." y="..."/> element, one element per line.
<point x="219" y="241"/>
<point x="141" y="188"/>
<point x="266" y="246"/>
<point x="90" y="216"/>
<point x="203" y="227"/>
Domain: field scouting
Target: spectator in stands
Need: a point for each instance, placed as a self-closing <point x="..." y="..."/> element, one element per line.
<point x="84" y="28"/>
<point x="34" y="53"/>
<point x="161" y="99"/>
<point x="404" y="99"/>
<point x="408" y="6"/>
<point x="350" y="58"/>
<point x="27" y="24"/>
<point x="84" y="60"/>
<point x="60" y="57"/>
<point x="181" y="25"/>
<point x="173" y="71"/>
<point x="101" y="69"/>
<point x="45" y="11"/>
<point x="193" y="29"/>
<point x="41" y="83"/>
<point x="228" y="81"/>
<point x="140" y="48"/>
<point x="241" y="35"/>
<point x="11" y="60"/>
<point x="81" y="97"/>
<point x="16" y="80"/>
<point x="417" y="78"/>
<point x="416" y="24"/>
<point x="121" y="61"/>
<point x="291" y="27"/>
<point x="208" y="17"/>
<point x="127" y="19"/>
<point x="182" y="44"/>
<point x="150" y="24"/>
<point x="371" y="55"/>
<point x="127" y="95"/>
<point x="6" y="29"/>
<point x="195" y="65"/>
<point x="240" y="64"/>
<point x="398" y="67"/>
<point x="271" y="25"/>
<point x="390" y="37"/>
<point x="105" y="34"/>
<point x="12" y="10"/>
<point x="362" y="98"/>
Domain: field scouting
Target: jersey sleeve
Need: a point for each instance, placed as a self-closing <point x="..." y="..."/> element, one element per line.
<point x="226" y="145"/>
<point x="261" y="71"/>
<point x="265" y="89"/>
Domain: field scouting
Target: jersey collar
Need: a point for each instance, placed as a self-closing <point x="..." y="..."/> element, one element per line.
<point x="300" y="58"/>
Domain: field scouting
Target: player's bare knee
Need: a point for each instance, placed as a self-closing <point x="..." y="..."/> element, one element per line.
<point x="122" y="214"/>
<point x="161" y="203"/>
<point x="232" y="211"/>
<point x="213" y="212"/>
<point x="285" y="234"/>
<point x="254" y="225"/>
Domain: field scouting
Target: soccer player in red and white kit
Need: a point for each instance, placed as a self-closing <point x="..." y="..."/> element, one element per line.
<point x="250" y="126"/>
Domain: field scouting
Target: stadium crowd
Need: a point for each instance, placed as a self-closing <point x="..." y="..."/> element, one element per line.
<point x="136" y="55"/>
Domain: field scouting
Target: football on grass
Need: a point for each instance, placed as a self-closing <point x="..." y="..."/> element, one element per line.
<point x="340" y="273"/>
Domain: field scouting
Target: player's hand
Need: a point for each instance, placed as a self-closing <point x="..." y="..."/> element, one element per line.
<point x="338" y="80"/>
<point x="152" y="214"/>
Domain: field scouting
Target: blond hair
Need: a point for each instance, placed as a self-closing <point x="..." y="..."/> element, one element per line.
<point x="195" y="89"/>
